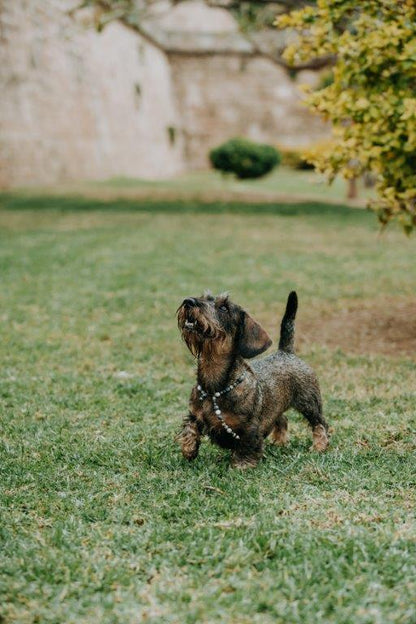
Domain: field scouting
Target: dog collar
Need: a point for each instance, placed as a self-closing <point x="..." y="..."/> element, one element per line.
<point x="214" y="398"/>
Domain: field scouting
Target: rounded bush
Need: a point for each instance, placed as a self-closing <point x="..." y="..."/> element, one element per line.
<point x="244" y="158"/>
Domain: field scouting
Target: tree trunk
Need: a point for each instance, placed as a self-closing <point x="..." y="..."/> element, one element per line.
<point x="352" y="192"/>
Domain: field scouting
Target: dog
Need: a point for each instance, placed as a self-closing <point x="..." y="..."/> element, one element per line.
<point x="238" y="404"/>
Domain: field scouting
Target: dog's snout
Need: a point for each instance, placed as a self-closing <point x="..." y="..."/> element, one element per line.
<point x="189" y="302"/>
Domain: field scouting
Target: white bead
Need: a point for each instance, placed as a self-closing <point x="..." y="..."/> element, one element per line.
<point x="218" y="412"/>
<point x="217" y="394"/>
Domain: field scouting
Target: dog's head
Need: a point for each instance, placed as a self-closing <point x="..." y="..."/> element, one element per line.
<point x="215" y="325"/>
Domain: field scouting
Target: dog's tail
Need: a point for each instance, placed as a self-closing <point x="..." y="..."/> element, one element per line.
<point x="287" y="328"/>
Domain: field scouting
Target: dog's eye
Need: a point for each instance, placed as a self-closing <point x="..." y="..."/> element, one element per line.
<point x="224" y="308"/>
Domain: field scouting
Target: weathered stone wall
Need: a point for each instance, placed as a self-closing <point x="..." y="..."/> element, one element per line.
<point x="76" y="104"/>
<point x="223" y="96"/>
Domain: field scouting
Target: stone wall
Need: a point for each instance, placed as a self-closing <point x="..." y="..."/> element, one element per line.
<point x="76" y="104"/>
<point x="223" y="96"/>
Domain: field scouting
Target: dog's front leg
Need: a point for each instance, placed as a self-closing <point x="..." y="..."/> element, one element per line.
<point x="190" y="437"/>
<point x="249" y="451"/>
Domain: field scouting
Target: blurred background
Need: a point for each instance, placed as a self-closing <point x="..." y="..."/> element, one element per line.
<point x="143" y="89"/>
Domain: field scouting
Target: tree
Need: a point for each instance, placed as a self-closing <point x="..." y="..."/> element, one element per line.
<point x="372" y="99"/>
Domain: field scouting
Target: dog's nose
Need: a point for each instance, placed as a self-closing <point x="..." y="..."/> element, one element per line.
<point x="189" y="302"/>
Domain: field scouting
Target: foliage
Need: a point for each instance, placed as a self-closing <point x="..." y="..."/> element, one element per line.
<point x="314" y="152"/>
<point x="326" y="79"/>
<point x="252" y="16"/>
<point x="108" y="10"/>
<point x="244" y="158"/>
<point x="372" y="101"/>
<point x="294" y="158"/>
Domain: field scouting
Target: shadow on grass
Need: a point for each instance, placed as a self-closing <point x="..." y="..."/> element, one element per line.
<point x="15" y="202"/>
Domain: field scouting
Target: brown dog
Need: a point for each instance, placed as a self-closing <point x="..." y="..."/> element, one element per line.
<point x="237" y="404"/>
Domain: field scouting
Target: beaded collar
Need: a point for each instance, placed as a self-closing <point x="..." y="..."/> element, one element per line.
<point x="214" y="398"/>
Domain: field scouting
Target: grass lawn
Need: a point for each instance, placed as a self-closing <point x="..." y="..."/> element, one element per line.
<point x="283" y="184"/>
<point x="101" y="519"/>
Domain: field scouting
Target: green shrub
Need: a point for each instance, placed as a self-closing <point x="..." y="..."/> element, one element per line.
<point x="244" y="158"/>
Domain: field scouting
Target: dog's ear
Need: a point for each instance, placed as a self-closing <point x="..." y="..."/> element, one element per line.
<point x="253" y="339"/>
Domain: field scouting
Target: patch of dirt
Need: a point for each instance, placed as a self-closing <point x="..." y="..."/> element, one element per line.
<point x="385" y="326"/>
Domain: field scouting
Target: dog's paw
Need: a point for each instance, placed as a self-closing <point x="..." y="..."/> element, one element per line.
<point x="279" y="437"/>
<point x="189" y="449"/>
<point x="241" y="463"/>
<point x="320" y="439"/>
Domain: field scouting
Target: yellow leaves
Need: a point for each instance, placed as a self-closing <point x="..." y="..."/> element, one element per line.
<point x="290" y="53"/>
<point x="371" y="102"/>
<point x="362" y="103"/>
<point x="319" y="151"/>
<point x="389" y="193"/>
<point x="410" y="194"/>
<point x="349" y="174"/>
<point x="374" y="152"/>
<point x="295" y="19"/>
<point x="409" y="109"/>
<point x="409" y="50"/>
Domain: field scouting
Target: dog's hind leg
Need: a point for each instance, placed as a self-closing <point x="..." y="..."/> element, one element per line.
<point x="320" y="438"/>
<point x="309" y="404"/>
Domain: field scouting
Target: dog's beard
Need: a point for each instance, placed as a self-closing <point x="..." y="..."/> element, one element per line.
<point x="200" y="333"/>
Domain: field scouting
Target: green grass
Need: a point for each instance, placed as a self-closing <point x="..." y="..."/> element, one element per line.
<point x="281" y="181"/>
<point x="101" y="519"/>
<point x="283" y="184"/>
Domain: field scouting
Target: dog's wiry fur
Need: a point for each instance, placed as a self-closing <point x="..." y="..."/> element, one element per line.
<point x="221" y="335"/>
